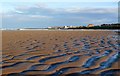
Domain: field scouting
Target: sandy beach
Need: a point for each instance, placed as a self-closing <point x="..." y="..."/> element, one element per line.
<point x="57" y="53"/>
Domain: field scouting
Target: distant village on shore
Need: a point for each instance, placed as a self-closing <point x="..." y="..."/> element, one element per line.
<point x="89" y="26"/>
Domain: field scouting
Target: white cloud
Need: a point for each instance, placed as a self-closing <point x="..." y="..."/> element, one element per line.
<point x="92" y="10"/>
<point x="44" y="16"/>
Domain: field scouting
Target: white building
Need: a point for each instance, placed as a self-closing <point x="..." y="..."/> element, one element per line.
<point x="90" y="25"/>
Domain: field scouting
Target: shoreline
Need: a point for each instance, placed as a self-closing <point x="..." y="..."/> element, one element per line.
<point x="62" y="30"/>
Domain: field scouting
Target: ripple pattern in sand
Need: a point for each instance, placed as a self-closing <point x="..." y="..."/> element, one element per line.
<point x="86" y="54"/>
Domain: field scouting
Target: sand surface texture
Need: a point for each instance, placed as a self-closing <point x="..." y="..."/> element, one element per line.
<point x="60" y="52"/>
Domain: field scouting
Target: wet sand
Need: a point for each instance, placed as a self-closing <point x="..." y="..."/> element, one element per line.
<point x="60" y="52"/>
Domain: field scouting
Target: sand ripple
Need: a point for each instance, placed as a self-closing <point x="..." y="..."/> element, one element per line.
<point x="55" y="54"/>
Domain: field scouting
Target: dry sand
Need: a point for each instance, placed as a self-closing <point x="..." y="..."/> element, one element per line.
<point x="59" y="52"/>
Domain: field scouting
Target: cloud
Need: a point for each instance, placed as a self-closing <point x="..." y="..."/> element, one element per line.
<point x="34" y="10"/>
<point x="43" y="10"/>
<point x="43" y="16"/>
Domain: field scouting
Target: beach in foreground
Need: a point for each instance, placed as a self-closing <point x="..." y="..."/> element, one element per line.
<point x="60" y="52"/>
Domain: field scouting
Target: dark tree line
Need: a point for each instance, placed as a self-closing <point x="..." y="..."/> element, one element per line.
<point x="103" y="26"/>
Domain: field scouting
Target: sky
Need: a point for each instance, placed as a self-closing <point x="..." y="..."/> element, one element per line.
<point x="46" y="13"/>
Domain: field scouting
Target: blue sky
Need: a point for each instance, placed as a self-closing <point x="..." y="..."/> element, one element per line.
<point x="38" y="14"/>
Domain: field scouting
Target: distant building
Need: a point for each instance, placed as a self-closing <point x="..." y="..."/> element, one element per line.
<point x="66" y="26"/>
<point x="72" y="26"/>
<point x="90" y="25"/>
